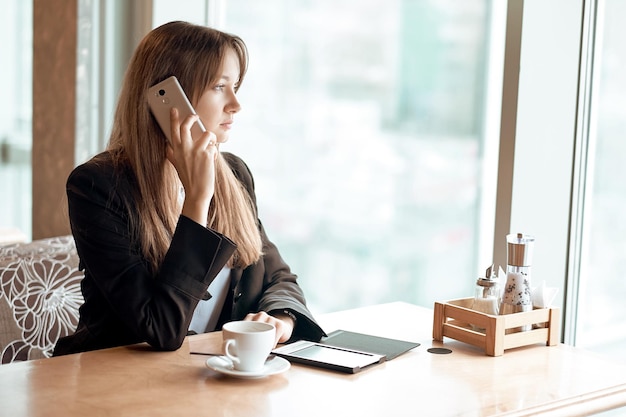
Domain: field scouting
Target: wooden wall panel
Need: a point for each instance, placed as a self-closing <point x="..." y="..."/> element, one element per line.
<point x="54" y="98"/>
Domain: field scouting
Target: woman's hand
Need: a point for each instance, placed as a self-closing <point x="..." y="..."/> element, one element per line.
<point x="194" y="161"/>
<point x="283" y="323"/>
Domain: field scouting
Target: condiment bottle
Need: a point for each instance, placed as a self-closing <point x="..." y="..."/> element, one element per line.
<point x="487" y="293"/>
<point x="516" y="296"/>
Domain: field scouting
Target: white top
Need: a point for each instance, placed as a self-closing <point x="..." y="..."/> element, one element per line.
<point x="207" y="312"/>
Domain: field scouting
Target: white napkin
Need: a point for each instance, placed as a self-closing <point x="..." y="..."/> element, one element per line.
<point x="543" y="296"/>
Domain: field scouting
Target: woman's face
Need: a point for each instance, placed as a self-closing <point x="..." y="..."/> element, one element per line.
<point x="218" y="104"/>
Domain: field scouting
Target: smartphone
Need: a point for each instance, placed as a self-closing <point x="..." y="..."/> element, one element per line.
<point x="165" y="95"/>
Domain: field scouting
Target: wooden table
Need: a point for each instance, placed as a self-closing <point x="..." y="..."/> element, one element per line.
<point x="136" y="381"/>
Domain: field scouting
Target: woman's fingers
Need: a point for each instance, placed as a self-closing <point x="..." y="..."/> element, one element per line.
<point x="283" y="329"/>
<point x="174" y="125"/>
<point x="194" y="160"/>
<point x="181" y="132"/>
<point x="207" y="140"/>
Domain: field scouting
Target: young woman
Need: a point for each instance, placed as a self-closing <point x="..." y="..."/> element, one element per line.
<point x="167" y="231"/>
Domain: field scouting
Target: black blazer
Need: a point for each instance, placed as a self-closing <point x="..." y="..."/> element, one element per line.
<point x="125" y="303"/>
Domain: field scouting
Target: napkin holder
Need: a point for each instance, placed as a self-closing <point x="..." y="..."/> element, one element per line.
<point x="456" y="319"/>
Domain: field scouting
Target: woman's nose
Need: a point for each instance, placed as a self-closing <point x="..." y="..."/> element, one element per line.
<point x="233" y="105"/>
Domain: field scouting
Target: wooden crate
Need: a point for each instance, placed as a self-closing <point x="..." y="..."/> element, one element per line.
<point x="454" y="319"/>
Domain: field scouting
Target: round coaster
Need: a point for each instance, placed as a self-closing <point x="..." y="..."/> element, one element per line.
<point x="439" y="351"/>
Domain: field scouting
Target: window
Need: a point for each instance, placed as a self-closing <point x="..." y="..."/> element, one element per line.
<point x="16" y="30"/>
<point x="365" y="130"/>
<point x="600" y="324"/>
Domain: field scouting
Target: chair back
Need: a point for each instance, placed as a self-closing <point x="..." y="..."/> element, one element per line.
<point x="39" y="297"/>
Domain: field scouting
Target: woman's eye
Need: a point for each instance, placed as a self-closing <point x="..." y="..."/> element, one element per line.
<point x="220" y="87"/>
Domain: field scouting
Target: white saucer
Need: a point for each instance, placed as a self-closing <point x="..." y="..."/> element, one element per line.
<point x="274" y="365"/>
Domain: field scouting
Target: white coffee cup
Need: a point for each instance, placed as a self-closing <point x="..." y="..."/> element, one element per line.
<point x="248" y="343"/>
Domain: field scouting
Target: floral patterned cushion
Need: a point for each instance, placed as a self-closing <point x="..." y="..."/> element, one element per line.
<point x="39" y="297"/>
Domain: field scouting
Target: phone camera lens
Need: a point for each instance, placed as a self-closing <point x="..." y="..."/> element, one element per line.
<point x="161" y="92"/>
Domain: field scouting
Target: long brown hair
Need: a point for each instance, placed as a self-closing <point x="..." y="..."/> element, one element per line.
<point x="194" y="54"/>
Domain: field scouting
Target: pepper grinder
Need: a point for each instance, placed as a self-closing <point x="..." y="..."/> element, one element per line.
<point x="516" y="296"/>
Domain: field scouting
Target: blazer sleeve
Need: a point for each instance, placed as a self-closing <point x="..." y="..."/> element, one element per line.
<point x="155" y="308"/>
<point x="269" y="285"/>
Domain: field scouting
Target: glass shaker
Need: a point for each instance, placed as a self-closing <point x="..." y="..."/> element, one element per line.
<point x="487" y="293"/>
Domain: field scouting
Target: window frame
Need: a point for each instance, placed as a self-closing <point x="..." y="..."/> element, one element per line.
<point x="548" y="189"/>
